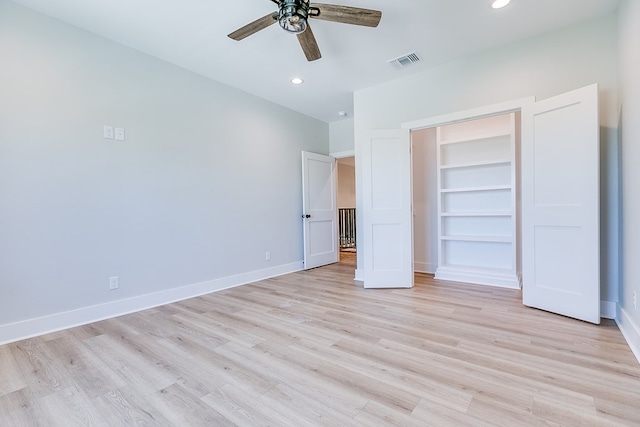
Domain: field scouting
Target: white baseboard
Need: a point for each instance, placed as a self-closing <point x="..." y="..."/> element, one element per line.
<point x="42" y="325"/>
<point x="479" y="277"/>
<point x="424" y="267"/>
<point x="359" y="275"/>
<point x="608" y="309"/>
<point x="630" y="330"/>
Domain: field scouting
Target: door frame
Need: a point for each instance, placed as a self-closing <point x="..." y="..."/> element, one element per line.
<point x="344" y="155"/>
<point x="474" y="113"/>
<point x="338" y="156"/>
<point x="512" y="106"/>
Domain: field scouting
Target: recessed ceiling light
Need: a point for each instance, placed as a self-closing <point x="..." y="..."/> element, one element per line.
<point x="498" y="4"/>
<point x="297" y="81"/>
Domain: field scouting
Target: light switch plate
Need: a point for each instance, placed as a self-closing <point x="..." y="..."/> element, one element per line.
<point x="108" y="132"/>
<point x="120" y="134"/>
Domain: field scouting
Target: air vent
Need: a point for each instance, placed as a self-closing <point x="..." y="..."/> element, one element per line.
<point x="404" y="60"/>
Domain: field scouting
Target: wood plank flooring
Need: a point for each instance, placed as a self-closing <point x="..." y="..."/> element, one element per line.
<point x="315" y="349"/>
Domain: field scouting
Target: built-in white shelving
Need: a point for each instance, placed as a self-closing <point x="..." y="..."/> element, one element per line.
<point x="477" y="201"/>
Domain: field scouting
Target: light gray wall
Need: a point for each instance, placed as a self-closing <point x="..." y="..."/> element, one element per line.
<point x="629" y="37"/>
<point x="542" y="66"/>
<point x="207" y="180"/>
<point x="341" y="136"/>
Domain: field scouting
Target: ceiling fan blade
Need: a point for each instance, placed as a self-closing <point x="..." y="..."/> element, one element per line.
<point x="254" y="27"/>
<point x="309" y="45"/>
<point x="347" y="14"/>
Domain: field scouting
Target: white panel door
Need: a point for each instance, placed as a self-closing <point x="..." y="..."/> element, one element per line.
<point x="319" y="212"/>
<point x="387" y="217"/>
<point x="560" y="205"/>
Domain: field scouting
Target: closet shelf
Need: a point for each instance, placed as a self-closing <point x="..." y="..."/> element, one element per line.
<point x="474" y="189"/>
<point x="476" y="214"/>
<point x="475" y="138"/>
<point x="477" y="201"/>
<point x="468" y="269"/>
<point x="490" y="239"/>
<point x="475" y="164"/>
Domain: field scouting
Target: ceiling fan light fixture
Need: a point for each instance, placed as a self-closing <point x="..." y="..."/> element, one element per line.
<point x="293" y="14"/>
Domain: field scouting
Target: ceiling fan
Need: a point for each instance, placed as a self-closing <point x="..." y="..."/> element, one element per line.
<point x="292" y="15"/>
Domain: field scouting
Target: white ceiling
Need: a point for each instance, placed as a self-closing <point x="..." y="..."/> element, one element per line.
<point x="193" y="34"/>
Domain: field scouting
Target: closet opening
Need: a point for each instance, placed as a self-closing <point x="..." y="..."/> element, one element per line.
<point x="466" y="200"/>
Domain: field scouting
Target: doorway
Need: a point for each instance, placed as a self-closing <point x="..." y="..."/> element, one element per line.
<point x="346" y="205"/>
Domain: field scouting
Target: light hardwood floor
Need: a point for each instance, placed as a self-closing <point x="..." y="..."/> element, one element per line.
<point x="314" y="348"/>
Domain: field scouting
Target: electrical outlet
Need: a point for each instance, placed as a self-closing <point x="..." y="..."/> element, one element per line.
<point x="635" y="300"/>
<point x="114" y="282"/>
<point x="267" y="256"/>
<point x="119" y="134"/>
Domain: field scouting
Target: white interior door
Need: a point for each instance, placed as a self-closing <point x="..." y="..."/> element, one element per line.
<point x="387" y="218"/>
<point x="560" y="205"/>
<point x="319" y="211"/>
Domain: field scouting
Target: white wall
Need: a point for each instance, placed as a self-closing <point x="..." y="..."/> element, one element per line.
<point x="542" y="66"/>
<point x="207" y="180"/>
<point x="425" y="200"/>
<point x="341" y="137"/>
<point x="629" y="38"/>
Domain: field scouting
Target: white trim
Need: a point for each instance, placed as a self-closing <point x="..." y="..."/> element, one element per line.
<point x="630" y="331"/>
<point x="474" y="113"/>
<point x="608" y="309"/>
<point x="424" y="267"/>
<point x="499" y="280"/>
<point x="359" y="275"/>
<point x="343" y="154"/>
<point x="55" y="322"/>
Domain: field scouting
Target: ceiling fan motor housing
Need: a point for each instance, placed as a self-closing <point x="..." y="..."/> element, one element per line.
<point x="293" y="14"/>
